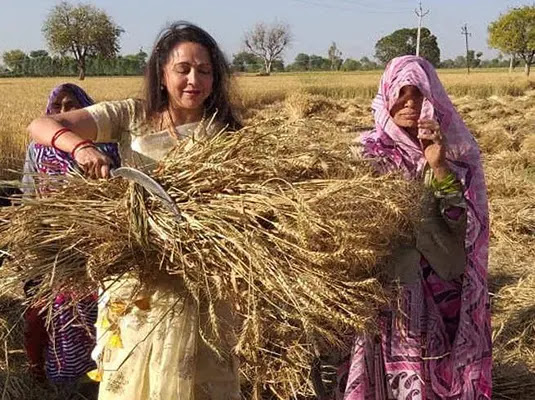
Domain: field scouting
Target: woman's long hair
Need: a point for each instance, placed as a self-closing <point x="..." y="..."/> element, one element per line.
<point x="156" y="96"/>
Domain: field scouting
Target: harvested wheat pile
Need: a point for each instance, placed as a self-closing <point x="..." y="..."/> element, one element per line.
<point x="284" y="226"/>
<point x="528" y="145"/>
<point x="511" y="184"/>
<point x="12" y="382"/>
<point x="515" y="321"/>
<point x="302" y="105"/>
<point x="514" y="330"/>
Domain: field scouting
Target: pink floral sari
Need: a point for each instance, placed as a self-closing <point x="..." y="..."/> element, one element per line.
<point x="439" y="345"/>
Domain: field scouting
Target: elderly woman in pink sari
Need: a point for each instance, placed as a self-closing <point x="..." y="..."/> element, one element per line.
<point x="437" y="344"/>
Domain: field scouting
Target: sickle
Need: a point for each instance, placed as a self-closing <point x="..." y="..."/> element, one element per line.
<point x="149" y="184"/>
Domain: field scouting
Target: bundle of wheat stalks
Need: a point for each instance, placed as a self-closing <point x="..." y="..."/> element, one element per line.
<point x="286" y="227"/>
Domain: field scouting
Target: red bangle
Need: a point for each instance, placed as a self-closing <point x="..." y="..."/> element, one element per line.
<point x="79" y="145"/>
<point x="57" y="135"/>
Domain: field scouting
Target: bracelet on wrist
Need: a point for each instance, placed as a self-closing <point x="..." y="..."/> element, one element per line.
<point x="449" y="184"/>
<point x="56" y="136"/>
<point x="82" y="145"/>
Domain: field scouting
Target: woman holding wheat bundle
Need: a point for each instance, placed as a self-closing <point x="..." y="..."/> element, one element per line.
<point x="437" y="343"/>
<point x="148" y="341"/>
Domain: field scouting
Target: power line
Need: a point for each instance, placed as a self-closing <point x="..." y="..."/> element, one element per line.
<point x="464" y="31"/>
<point x="374" y="7"/>
<point x="420" y="13"/>
<point x="347" y="7"/>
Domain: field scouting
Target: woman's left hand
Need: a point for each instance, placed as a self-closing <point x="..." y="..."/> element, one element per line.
<point x="434" y="147"/>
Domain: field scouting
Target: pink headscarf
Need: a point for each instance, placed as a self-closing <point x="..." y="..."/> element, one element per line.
<point x="392" y="148"/>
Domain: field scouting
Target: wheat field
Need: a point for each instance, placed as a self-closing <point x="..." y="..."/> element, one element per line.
<point x="25" y="98"/>
<point x="498" y="107"/>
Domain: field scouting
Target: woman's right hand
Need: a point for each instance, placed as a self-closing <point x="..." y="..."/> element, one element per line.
<point x="93" y="163"/>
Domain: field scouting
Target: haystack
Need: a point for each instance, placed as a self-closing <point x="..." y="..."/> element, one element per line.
<point x="286" y="227"/>
<point x="300" y="105"/>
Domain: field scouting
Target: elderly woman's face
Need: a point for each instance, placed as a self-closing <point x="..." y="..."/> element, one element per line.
<point x="63" y="102"/>
<point x="406" y="110"/>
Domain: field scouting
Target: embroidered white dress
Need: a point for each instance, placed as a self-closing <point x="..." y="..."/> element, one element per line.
<point x="148" y="345"/>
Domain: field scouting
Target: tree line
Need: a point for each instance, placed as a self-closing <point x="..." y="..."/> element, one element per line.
<point x="40" y="63"/>
<point x="84" y="40"/>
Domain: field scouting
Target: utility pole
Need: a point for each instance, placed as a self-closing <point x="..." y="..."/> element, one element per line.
<point x="464" y="31"/>
<point x="420" y="14"/>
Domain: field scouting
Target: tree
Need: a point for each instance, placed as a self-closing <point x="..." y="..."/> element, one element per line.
<point x="514" y="34"/>
<point x="335" y="57"/>
<point x="474" y="59"/>
<point x="351" y="65"/>
<point x="460" y="62"/>
<point x="38" y="53"/>
<point x="367" y="64"/>
<point x="142" y="57"/>
<point x="131" y="64"/>
<point x="318" y="63"/>
<point x="403" y="42"/>
<point x="498" y="62"/>
<point x="301" y="62"/>
<point x="268" y="42"/>
<point x="14" y="60"/>
<point x="245" y="61"/>
<point x="278" y="65"/>
<point x="447" y="63"/>
<point x="84" y="31"/>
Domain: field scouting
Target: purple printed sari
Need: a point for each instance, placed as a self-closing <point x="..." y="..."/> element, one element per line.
<point x="49" y="161"/>
<point x="70" y="338"/>
<point x="439" y="345"/>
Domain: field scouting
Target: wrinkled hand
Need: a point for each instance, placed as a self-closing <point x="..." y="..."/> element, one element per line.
<point x="93" y="163"/>
<point x="434" y="147"/>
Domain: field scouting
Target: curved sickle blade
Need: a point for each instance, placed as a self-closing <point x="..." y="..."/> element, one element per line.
<point x="149" y="184"/>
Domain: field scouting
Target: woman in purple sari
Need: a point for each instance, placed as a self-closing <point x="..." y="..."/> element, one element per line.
<point x="61" y="353"/>
<point x="437" y="343"/>
<point x="45" y="160"/>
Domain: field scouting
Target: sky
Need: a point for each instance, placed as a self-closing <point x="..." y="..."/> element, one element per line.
<point x="355" y="25"/>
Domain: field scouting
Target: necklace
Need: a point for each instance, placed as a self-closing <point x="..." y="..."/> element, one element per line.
<point x="173" y="128"/>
